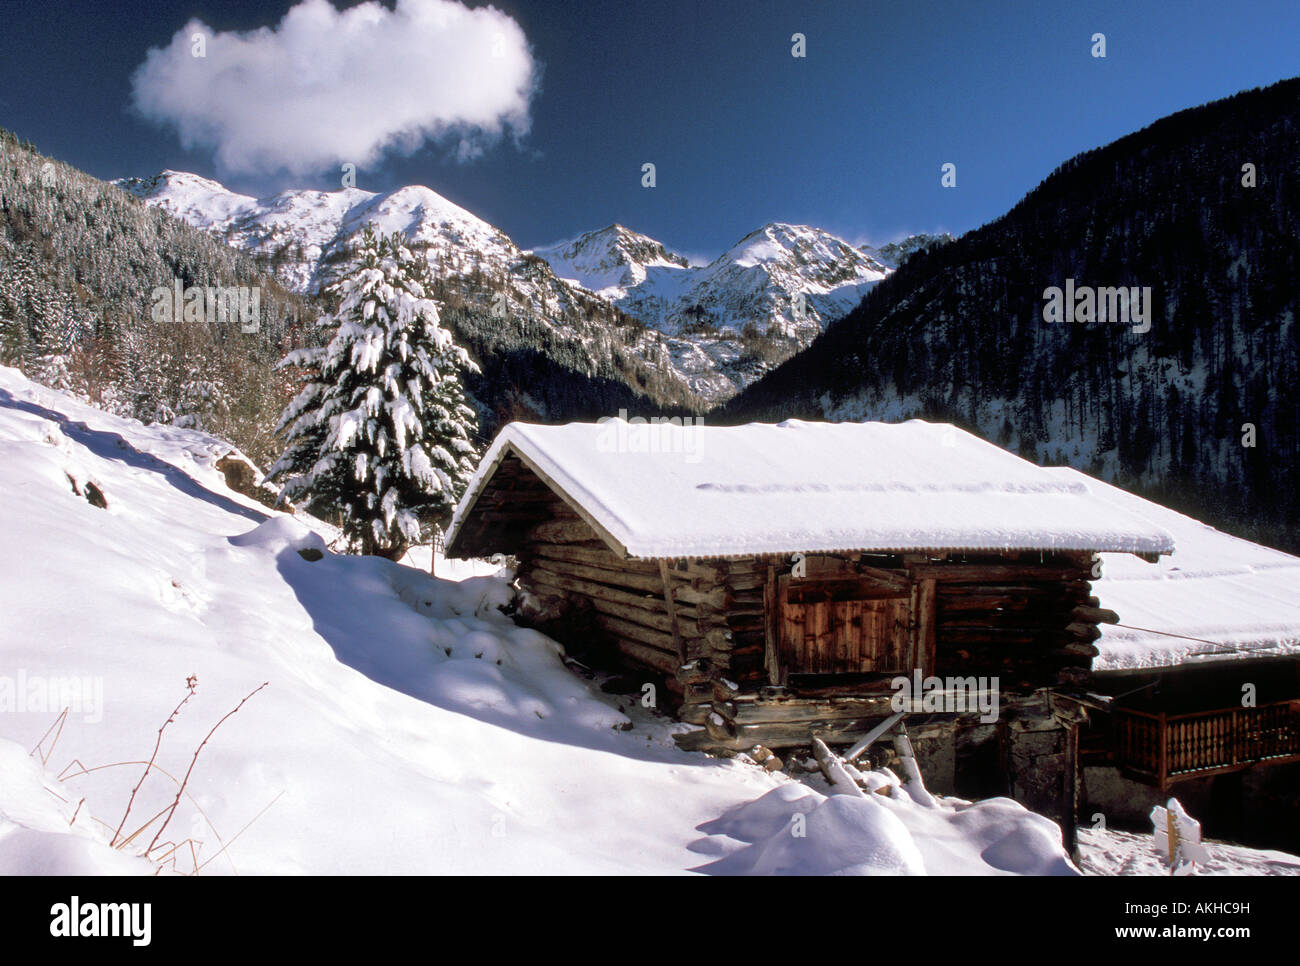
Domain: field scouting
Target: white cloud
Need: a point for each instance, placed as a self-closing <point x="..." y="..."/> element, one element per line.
<point x="325" y="87"/>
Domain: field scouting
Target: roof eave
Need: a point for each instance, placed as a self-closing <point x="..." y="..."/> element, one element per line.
<point x="509" y="445"/>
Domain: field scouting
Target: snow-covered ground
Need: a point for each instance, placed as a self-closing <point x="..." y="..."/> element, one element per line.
<point x="1110" y="852"/>
<point x="405" y="726"/>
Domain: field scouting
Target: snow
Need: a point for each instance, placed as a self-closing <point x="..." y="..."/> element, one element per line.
<point x="610" y="261"/>
<point x="878" y="834"/>
<point x="1238" y="599"/>
<point x="755" y="281"/>
<point x="322" y="222"/>
<point x="406" y="726"/>
<point x="790" y="280"/>
<point x="1111" y="852"/>
<point x="668" y="490"/>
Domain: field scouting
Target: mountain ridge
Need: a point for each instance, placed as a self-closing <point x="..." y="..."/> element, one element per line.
<point x="714" y="328"/>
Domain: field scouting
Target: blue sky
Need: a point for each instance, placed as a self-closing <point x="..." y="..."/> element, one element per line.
<point x="850" y="138"/>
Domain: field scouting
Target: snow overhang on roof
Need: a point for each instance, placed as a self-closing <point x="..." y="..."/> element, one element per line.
<point x="1215" y="598"/>
<point x="666" y="490"/>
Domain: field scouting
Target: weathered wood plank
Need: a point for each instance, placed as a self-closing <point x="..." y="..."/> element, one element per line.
<point x="672" y="610"/>
<point x="925" y="618"/>
<point x="612" y="578"/>
<point x="563" y="531"/>
<point x="652" y="657"/>
<point x="771" y="630"/>
<point x="758" y="712"/>
<point x="554" y="578"/>
<point x="593" y="556"/>
<point x="661" y="641"/>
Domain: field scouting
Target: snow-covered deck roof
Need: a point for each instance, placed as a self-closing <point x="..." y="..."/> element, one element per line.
<point x="671" y="491"/>
<point x="1225" y="598"/>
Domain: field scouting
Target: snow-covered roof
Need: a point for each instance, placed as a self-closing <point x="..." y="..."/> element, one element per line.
<point x="1217" y="597"/>
<point x="668" y="491"/>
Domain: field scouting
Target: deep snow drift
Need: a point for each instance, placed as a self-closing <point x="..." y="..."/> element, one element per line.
<point x="406" y="726"/>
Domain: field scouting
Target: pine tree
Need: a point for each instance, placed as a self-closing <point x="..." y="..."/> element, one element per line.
<point x="379" y="435"/>
<point x="14" y="337"/>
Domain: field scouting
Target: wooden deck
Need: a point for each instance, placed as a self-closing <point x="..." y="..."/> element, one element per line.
<point x="1161" y="749"/>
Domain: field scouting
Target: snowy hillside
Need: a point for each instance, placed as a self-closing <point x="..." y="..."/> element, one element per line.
<point x="406" y="725"/>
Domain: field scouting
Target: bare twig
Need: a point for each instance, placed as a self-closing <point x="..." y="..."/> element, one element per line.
<point x="191" y="683"/>
<point x="58" y="724"/>
<point x="64" y="776"/>
<point x="227" y="845"/>
<point x="180" y="791"/>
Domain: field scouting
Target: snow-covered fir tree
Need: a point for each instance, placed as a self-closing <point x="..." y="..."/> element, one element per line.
<point x="379" y="436"/>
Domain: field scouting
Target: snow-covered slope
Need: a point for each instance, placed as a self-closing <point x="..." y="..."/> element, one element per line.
<point x="511" y="305"/>
<point x="760" y="279"/>
<point x="728" y="322"/>
<point x="406" y="725"/>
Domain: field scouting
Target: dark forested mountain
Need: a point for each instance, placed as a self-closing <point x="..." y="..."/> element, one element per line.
<point x="1202" y="208"/>
<point x="81" y="261"/>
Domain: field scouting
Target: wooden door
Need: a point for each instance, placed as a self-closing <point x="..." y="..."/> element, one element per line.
<point x="844" y="626"/>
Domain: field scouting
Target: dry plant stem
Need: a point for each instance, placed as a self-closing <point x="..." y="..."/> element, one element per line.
<point x="180" y="791"/>
<point x="190" y="683"/>
<point x="58" y="724"/>
<point x="225" y="846"/>
<point x="65" y="776"/>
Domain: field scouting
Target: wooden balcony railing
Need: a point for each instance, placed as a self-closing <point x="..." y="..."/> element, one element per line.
<point x="1165" y="748"/>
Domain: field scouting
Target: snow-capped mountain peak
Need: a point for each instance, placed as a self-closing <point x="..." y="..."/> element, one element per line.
<point x="299" y="229"/>
<point x="718" y="326"/>
<point x="803" y="256"/>
<point x="610" y="260"/>
<point x="190" y="197"/>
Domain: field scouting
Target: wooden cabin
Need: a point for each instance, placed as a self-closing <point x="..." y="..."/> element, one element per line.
<point x="778" y="578"/>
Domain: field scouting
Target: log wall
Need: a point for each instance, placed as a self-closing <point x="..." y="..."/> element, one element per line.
<point x="719" y="631"/>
